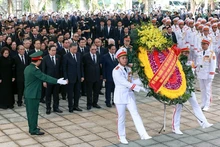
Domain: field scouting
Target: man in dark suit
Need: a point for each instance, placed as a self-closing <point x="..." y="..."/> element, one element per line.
<point x="66" y="24"/>
<point x="51" y="66"/>
<point x="35" y="35"/>
<point x="59" y="42"/>
<point x="92" y="77"/>
<point x="63" y="52"/>
<point x="72" y="70"/>
<point x="21" y="61"/>
<point x="119" y="31"/>
<point x="82" y="49"/>
<point x="109" y="62"/>
<point x="100" y="33"/>
<point x="100" y="52"/>
<point x="109" y="31"/>
<point x="171" y="35"/>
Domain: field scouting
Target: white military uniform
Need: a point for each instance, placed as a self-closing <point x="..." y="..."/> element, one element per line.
<point x="124" y="97"/>
<point x="181" y="38"/>
<point x="196" y="109"/>
<point x="206" y="65"/>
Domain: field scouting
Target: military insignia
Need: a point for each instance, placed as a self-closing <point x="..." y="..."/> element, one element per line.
<point x="213" y="57"/>
<point x="117" y="68"/>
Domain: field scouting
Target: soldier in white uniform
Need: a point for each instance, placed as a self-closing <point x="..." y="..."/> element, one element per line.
<point x="180" y="34"/>
<point x="124" y="97"/>
<point x="196" y="108"/>
<point x="205" y="68"/>
<point x="190" y="34"/>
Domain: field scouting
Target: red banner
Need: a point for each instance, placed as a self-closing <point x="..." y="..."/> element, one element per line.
<point x="165" y="70"/>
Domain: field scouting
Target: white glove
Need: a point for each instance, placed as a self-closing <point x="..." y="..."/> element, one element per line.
<point x="144" y="89"/>
<point x="61" y="81"/>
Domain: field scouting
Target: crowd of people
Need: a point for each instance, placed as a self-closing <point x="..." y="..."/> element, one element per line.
<point x="83" y="50"/>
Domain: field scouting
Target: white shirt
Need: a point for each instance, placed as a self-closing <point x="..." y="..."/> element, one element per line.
<point x="92" y="57"/>
<point x="53" y="58"/>
<point x="74" y="56"/>
<point x="21" y="57"/>
<point x="37" y="50"/>
<point x="111" y="55"/>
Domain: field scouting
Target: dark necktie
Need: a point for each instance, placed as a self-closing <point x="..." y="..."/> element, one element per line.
<point x="22" y="59"/>
<point x="203" y="53"/>
<point x="82" y="50"/>
<point x="74" y="57"/>
<point x="67" y="51"/>
<point x="53" y="61"/>
<point x="113" y="59"/>
<point x="93" y="58"/>
<point x="125" y="69"/>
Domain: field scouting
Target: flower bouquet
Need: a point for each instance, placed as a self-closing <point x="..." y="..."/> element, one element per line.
<point x="160" y="66"/>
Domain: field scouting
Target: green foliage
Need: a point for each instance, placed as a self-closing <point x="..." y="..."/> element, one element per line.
<point x="26" y="5"/>
<point x="62" y="4"/>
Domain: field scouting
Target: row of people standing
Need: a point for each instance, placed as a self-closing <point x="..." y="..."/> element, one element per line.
<point x="82" y="72"/>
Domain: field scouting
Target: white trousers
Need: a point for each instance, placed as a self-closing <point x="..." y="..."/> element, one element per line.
<point x="196" y="109"/>
<point x="205" y="87"/>
<point x="121" y="109"/>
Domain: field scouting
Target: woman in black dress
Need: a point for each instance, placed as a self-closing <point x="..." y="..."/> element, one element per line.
<point x="6" y="79"/>
<point x="8" y="42"/>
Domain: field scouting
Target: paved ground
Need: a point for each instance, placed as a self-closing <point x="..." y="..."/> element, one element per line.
<point x="98" y="127"/>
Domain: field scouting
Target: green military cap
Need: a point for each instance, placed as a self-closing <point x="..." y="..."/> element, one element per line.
<point x="36" y="56"/>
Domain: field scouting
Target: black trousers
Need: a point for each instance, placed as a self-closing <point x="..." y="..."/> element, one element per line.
<point x="109" y="88"/>
<point x="83" y="88"/>
<point x="52" y="90"/>
<point x="20" y="90"/>
<point x="92" y="90"/>
<point x="73" y="91"/>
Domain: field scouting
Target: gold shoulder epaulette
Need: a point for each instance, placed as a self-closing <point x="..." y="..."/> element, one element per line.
<point x="117" y="67"/>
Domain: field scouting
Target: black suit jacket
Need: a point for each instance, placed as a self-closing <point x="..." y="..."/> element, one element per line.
<point x="86" y="50"/>
<point x="72" y="70"/>
<point x="19" y="67"/>
<point x="107" y="67"/>
<point x="111" y="33"/>
<point x="49" y="68"/>
<point x="91" y="69"/>
<point x="66" y="26"/>
<point x="100" y="32"/>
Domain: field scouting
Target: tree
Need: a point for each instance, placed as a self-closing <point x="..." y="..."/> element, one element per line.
<point x="10" y="7"/>
<point x="36" y="6"/>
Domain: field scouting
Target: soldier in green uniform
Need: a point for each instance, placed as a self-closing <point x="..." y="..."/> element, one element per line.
<point x="33" y="81"/>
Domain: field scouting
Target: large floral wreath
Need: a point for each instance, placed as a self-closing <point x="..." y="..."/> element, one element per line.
<point x="160" y="66"/>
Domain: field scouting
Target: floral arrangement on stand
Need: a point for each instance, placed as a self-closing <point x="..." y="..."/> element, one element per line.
<point x="160" y="66"/>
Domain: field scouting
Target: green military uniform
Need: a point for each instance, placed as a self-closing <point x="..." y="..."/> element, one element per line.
<point x="32" y="93"/>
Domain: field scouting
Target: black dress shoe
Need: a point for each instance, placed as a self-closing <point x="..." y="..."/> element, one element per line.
<point x="89" y="107"/>
<point x="113" y="103"/>
<point x="109" y="105"/>
<point x="101" y="93"/>
<point x="96" y="106"/>
<point x="77" y="109"/>
<point x="70" y="110"/>
<point x="57" y="110"/>
<point x="48" y="111"/>
<point x="38" y="133"/>
<point x="83" y="94"/>
<point x="19" y="104"/>
<point x="42" y="101"/>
